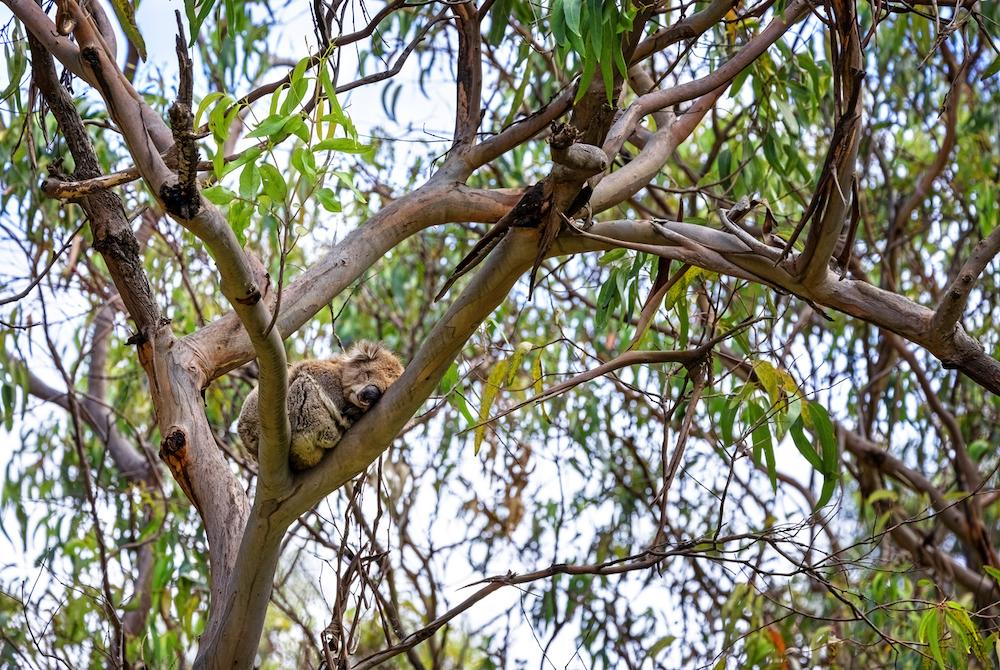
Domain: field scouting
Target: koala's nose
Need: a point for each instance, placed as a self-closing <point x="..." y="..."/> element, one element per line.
<point x="369" y="394"/>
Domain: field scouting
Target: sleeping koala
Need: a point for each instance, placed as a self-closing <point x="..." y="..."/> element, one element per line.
<point x="325" y="397"/>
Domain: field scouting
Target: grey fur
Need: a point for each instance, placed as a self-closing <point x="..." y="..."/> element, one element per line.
<point x="323" y="400"/>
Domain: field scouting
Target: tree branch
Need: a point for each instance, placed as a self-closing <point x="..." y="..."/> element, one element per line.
<point x="468" y="77"/>
<point x="519" y="132"/>
<point x="952" y="305"/>
<point x="625" y="125"/>
<point x="44" y="30"/>
<point x="851" y="296"/>
<point x="206" y="222"/>
<point x="634" y="176"/>
<point x="835" y="186"/>
<point x="222" y="345"/>
<point x="685" y="29"/>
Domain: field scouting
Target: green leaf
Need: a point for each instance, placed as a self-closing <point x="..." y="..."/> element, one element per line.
<point x="515" y="104"/>
<point x="823" y="428"/>
<point x="248" y="156"/>
<point x="536" y="375"/>
<point x="607" y="299"/>
<point x="826" y="493"/>
<point x="660" y="645"/>
<point x="607" y="64"/>
<point x="571" y="9"/>
<point x="125" y="12"/>
<point x="218" y="194"/>
<point x="249" y="182"/>
<point x="17" y="61"/>
<point x="612" y="256"/>
<point x="932" y="635"/>
<point x="771" y="154"/>
<point x="274" y="183"/>
<point x="217" y="122"/>
<point x="739" y="80"/>
<point x="993" y="68"/>
<point x="196" y="19"/>
<point x="499" y="14"/>
<point x="8" y="407"/>
<point x="517" y="358"/>
<point x="336" y="112"/>
<point x="557" y="22"/>
<point x="769" y="379"/>
<point x="270" y="126"/>
<point x="787" y="116"/>
<point x="490" y="389"/>
<point x="298" y="74"/>
<point x="296" y="92"/>
<point x="328" y="199"/>
<point x="344" y="145"/>
<point x="978" y="449"/>
<point x="761" y="440"/>
<point x="595" y="27"/>
<point x="805" y="447"/>
<point x="347" y="179"/>
<point x="209" y="99"/>
<point x="304" y="162"/>
<point x="296" y="126"/>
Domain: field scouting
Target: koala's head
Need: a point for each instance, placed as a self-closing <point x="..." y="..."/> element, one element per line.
<point x="368" y="371"/>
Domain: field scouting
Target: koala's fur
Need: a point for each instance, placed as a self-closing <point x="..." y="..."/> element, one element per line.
<point x="325" y="397"/>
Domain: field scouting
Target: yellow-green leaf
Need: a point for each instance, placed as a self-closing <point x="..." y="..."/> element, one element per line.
<point x="126" y="18"/>
<point x="517" y="358"/>
<point x="493" y="384"/>
<point x="769" y="378"/>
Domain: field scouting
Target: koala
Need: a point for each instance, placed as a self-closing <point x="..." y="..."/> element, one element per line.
<point x="325" y="397"/>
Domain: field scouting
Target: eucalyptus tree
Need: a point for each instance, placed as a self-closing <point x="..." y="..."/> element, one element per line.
<point x="697" y="304"/>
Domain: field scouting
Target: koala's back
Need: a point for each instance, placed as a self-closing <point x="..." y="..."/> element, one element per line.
<point x="325" y="397"/>
<point x="317" y="410"/>
<point x="315" y="398"/>
<point x="327" y="372"/>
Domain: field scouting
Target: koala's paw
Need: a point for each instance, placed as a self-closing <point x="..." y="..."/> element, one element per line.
<point x="306" y="452"/>
<point x="328" y="436"/>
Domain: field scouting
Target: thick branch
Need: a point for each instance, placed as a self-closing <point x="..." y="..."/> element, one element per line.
<point x="629" y="180"/>
<point x="519" y="132"/>
<point x="836" y="183"/>
<point x="238" y="281"/>
<point x="113" y="237"/>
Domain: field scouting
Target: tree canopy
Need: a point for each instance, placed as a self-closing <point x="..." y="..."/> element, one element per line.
<point x="697" y="303"/>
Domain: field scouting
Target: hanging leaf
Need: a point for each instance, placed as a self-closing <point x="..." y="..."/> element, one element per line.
<point x="125" y="11"/>
<point x="490" y="389"/>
